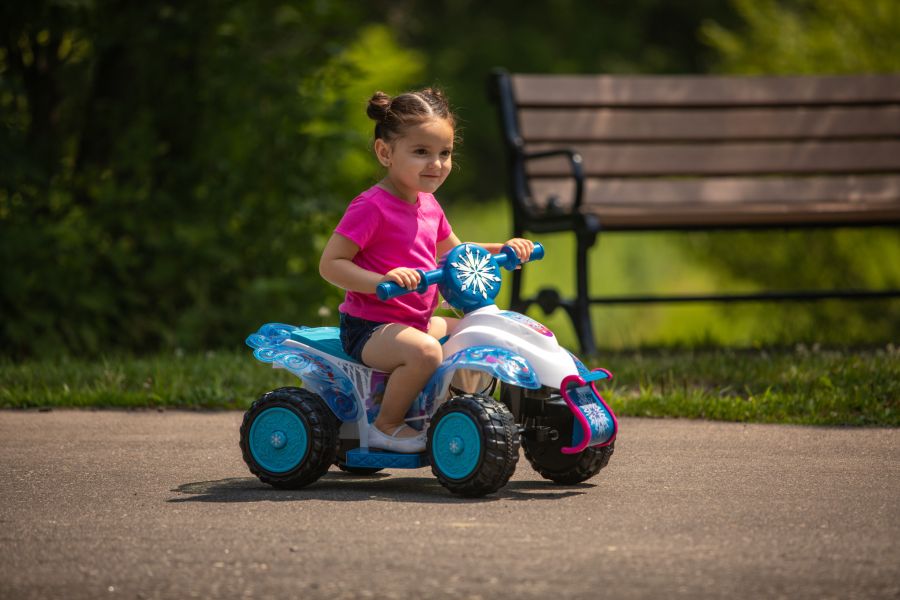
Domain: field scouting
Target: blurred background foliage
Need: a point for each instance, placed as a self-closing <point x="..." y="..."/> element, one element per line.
<point x="170" y="171"/>
<point x="809" y="37"/>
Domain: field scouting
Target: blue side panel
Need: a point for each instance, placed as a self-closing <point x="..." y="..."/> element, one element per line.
<point x="598" y="416"/>
<point x="318" y="375"/>
<point x="582" y="370"/>
<point x="506" y="366"/>
<point x="271" y="334"/>
<point x="360" y="457"/>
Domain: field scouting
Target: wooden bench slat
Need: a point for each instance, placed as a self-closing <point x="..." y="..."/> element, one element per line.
<point x="692" y="90"/>
<point x="661" y="203"/>
<point x="580" y="125"/>
<point x="746" y="215"/>
<point x="723" y="159"/>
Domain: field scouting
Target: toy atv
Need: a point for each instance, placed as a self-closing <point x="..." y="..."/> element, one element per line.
<point x="549" y="403"/>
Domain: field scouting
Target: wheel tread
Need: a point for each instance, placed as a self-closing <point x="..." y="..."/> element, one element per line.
<point x="322" y="435"/>
<point x="500" y="438"/>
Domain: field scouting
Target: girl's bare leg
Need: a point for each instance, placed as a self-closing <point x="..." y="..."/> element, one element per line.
<point x="438" y="327"/>
<point x="411" y="357"/>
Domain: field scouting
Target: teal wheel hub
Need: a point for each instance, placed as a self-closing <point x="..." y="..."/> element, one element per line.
<point x="278" y="440"/>
<point x="456" y="445"/>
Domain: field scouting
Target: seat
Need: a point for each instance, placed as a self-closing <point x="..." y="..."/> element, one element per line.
<point x="324" y="339"/>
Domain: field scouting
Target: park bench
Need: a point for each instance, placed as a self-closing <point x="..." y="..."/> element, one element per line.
<point x="592" y="153"/>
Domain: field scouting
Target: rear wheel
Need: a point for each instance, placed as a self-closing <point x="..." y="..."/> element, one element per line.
<point x="545" y="409"/>
<point x="566" y="469"/>
<point x="289" y="438"/>
<point x="473" y="444"/>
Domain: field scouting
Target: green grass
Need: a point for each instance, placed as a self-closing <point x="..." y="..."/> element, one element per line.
<point x="214" y="380"/>
<point x="799" y="385"/>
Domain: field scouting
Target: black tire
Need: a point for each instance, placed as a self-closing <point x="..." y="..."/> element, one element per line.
<point x="492" y="463"/>
<point x="316" y="422"/>
<point x="358" y="470"/>
<point x="566" y="469"/>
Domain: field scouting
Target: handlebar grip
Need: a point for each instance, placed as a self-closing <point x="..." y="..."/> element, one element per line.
<point x="389" y="289"/>
<point x="509" y="260"/>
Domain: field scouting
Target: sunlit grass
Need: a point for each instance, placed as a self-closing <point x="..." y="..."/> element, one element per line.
<point x="801" y="385"/>
<point x="798" y="385"/>
<point x="214" y="380"/>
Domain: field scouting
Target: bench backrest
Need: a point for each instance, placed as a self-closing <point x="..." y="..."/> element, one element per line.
<point x="705" y="151"/>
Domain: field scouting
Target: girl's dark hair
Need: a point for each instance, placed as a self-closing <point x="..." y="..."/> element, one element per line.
<point x="393" y="115"/>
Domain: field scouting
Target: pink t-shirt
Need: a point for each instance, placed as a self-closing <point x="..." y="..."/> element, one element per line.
<point x="393" y="233"/>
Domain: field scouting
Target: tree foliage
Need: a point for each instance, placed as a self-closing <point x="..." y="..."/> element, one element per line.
<point x="813" y="37"/>
<point x="809" y="36"/>
<point x="166" y="179"/>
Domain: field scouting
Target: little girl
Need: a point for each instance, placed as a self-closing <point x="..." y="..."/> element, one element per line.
<point x="387" y="233"/>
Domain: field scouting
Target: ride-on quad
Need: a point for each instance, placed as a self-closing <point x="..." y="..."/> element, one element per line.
<point x="548" y="399"/>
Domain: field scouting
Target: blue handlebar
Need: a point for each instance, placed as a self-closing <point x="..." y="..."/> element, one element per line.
<point x="506" y="258"/>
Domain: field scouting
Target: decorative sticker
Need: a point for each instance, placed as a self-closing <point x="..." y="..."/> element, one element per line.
<point x="599" y="419"/>
<point x="527" y="321"/>
<point x="476" y="272"/>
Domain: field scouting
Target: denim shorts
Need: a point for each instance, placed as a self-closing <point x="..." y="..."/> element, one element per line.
<point x="355" y="332"/>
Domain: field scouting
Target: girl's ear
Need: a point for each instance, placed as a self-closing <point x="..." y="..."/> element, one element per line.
<point x="383" y="152"/>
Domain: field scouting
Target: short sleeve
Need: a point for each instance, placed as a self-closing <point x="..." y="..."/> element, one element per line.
<point x="443" y="230"/>
<point x="360" y="222"/>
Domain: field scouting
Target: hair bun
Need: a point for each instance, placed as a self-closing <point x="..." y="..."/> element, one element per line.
<point x="379" y="106"/>
<point x="435" y="94"/>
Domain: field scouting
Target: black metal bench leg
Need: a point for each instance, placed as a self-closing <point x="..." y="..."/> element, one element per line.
<point x="581" y="318"/>
<point x="515" y="301"/>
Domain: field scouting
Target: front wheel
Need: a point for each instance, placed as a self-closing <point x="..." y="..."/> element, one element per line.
<point x="473" y="443"/>
<point x="289" y="438"/>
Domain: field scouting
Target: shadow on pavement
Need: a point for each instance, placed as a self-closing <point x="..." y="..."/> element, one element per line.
<point x="345" y="487"/>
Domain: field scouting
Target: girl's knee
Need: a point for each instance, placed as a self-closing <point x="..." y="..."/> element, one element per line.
<point x="428" y="354"/>
<point x="439" y="327"/>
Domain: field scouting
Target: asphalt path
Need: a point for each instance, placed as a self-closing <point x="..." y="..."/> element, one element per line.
<point x="160" y="505"/>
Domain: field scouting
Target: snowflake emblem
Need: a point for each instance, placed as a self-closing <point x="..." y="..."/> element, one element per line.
<point x="476" y="272"/>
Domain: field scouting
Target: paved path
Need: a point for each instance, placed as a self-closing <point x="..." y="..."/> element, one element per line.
<point x="160" y="505"/>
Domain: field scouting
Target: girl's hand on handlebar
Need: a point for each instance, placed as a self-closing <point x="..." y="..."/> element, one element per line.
<point x="522" y="247"/>
<point x="403" y="276"/>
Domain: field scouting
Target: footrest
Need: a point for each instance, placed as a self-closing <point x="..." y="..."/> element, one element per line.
<point x="595" y="423"/>
<point x="382" y="459"/>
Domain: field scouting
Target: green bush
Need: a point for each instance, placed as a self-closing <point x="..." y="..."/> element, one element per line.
<point x="167" y="177"/>
<point x="810" y="37"/>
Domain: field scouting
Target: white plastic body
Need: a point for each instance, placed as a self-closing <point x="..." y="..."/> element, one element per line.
<point x="489" y="326"/>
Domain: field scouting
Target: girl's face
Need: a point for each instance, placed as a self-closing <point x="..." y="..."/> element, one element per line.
<point x="418" y="161"/>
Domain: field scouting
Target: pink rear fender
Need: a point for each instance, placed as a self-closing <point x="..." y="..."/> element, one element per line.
<point x="595" y="422"/>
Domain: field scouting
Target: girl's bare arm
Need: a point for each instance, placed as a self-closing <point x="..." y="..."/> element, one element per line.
<point x="336" y="266"/>
<point x="522" y="246"/>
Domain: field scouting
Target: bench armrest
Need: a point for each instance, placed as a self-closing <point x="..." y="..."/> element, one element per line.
<point x="575" y="162"/>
